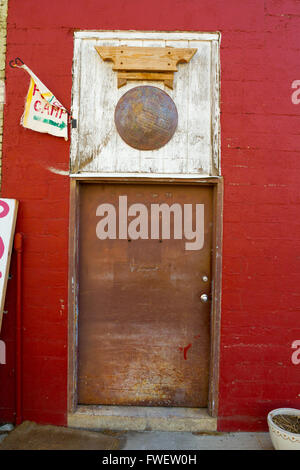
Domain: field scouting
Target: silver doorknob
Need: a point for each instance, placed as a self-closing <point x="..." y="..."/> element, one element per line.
<point x="204" y="298"/>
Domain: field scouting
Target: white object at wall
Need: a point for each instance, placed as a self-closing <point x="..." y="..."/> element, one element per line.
<point x="8" y="215"/>
<point x="281" y="439"/>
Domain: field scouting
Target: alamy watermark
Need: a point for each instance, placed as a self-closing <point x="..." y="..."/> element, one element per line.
<point x="154" y="224"/>
<point x="296" y="354"/>
<point x="295" y="97"/>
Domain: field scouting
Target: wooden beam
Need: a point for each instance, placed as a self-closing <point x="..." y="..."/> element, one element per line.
<point x="145" y="63"/>
<point x="166" y="77"/>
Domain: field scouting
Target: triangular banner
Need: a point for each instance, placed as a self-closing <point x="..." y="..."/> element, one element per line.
<point x="43" y="112"/>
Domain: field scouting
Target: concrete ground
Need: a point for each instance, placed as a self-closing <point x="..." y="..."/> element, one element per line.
<point x="159" y="440"/>
<point x="155" y="440"/>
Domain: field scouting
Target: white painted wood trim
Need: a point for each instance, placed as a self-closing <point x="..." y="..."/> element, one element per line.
<point x="75" y="102"/>
<point x="177" y="35"/>
<point x="215" y="111"/>
<point x="173" y="176"/>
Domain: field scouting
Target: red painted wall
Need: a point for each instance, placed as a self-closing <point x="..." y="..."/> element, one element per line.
<point x="261" y="166"/>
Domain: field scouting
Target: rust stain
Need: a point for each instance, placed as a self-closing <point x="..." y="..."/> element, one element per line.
<point x="85" y="162"/>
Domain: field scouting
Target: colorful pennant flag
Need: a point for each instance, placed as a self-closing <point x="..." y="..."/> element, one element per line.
<point x="43" y="112"/>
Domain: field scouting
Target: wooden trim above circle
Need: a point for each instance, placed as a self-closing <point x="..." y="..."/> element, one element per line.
<point x="145" y="63"/>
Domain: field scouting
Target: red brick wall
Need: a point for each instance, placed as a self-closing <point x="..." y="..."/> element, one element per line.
<point x="261" y="166"/>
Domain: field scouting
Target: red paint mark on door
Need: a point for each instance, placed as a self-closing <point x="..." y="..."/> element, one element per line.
<point x="185" y="350"/>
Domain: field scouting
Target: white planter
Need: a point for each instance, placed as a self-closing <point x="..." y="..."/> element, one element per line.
<point x="281" y="439"/>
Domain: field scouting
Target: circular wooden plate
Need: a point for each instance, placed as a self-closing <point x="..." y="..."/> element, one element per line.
<point x="146" y="117"/>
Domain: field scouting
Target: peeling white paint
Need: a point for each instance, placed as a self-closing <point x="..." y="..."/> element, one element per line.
<point x="56" y="171"/>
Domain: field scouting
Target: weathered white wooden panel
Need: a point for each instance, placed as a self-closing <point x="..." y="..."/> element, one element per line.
<point x="96" y="145"/>
<point x="199" y="111"/>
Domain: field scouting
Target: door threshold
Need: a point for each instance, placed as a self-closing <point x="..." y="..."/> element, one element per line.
<point x="142" y="418"/>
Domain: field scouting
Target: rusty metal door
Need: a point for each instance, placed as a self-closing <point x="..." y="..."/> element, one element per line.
<point x="144" y="331"/>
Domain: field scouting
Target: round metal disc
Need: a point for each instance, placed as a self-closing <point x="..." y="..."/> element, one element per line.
<point x="146" y="117"/>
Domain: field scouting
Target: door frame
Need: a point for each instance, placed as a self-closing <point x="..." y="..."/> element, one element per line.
<point x="215" y="314"/>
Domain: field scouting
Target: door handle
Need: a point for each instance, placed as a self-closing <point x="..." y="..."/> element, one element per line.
<point x="204" y="298"/>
